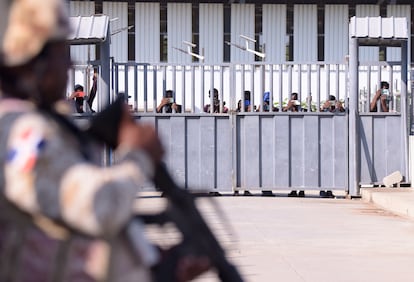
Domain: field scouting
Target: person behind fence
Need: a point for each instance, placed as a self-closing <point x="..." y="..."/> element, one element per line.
<point x="293" y="105"/>
<point x="383" y="96"/>
<point x="216" y="103"/>
<point x="247" y="102"/>
<point x="168" y="104"/>
<point x="266" y="104"/>
<point x="80" y="97"/>
<point x="332" y="105"/>
<point x="50" y="185"/>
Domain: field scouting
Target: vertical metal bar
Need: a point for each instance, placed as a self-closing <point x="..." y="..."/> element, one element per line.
<point x="126" y="82"/>
<point x="252" y="69"/>
<point x="411" y="99"/>
<point x="354" y="135"/>
<point x="112" y="77"/>
<point x="403" y="97"/>
<point x="289" y="81"/>
<point x="116" y="78"/>
<point x="136" y="88"/>
<point x="211" y="91"/>
<point x="300" y="85"/>
<point x="262" y="86"/>
<point x="86" y="81"/>
<point x="309" y="92"/>
<point x="71" y="80"/>
<point x="368" y="96"/>
<point x="103" y="97"/>
<point x="391" y="105"/>
<point x="242" y="88"/>
<point x="174" y="79"/>
<point x="192" y="89"/>
<point x="327" y="81"/>
<point x="281" y="87"/>
<point x="232" y="88"/>
<point x="202" y="81"/>
<point x="154" y="88"/>
<point x="379" y="108"/>
<point x="318" y="87"/>
<point x="271" y="88"/>
<point x="221" y="89"/>
<point x="379" y="77"/>
<point x="337" y="81"/>
<point x="164" y="80"/>
<point x="183" y="102"/>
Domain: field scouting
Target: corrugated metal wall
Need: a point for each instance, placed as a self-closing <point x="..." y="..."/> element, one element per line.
<point x="211" y="28"/>
<point x="198" y="149"/>
<point x="179" y="28"/>
<point x="274" y="33"/>
<point x="242" y="23"/>
<point x="305" y="33"/>
<point x="370" y="54"/>
<point x="394" y="54"/>
<point x="81" y="54"/>
<point x="147" y="28"/>
<point x="118" y="15"/>
<point x="147" y="32"/>
<point x="297" y="150"/>
<point x="336" y="32"/>
<point x="382" y="149"/>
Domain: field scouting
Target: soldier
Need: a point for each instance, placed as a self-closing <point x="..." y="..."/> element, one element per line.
<point x="49" y="183"/>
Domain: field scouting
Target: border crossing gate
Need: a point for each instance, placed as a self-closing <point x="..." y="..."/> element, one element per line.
<point x="277" y="150"/>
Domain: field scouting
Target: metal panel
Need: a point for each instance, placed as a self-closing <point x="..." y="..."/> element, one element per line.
<point x="198" y="149"/>
<point x="147" y="32"/>
<point x="281" y="151"/>
<point x="179" y="28"/>
<point x="118" y="14"/>
<point x="305" y="33"/>
<point x="274" y="32"/>
<point x="242" y="23"/>
<point x="88" y="30"/>
<point x="374" y="30"/>
<point x="381" y="151"/>
<point x="82" y="54"/>
<point x="377" y="27"/>
<point x="336" y="32"/>
<point x="367" y="53"/>
<point x="394" y="54"/>
<point x="249" y="156"/>
<point x="211" y="26"/>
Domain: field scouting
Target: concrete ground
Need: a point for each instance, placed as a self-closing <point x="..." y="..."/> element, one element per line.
<point x="309" y="239"/>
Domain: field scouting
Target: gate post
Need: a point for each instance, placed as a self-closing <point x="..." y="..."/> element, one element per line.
<point x="106" y="75"/>
<point x="354" y="136"/>
<point x="404" y="109"/>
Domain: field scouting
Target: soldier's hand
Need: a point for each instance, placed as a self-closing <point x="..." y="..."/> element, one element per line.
<point x="141" y="137"/>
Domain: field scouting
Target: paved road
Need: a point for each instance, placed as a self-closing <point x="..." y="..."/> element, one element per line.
<point x="307" y="239"/>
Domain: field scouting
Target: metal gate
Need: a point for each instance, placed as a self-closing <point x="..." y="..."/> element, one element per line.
<point x="257" y="150"/>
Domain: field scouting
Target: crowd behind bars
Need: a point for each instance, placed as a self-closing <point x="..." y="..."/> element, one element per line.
<point x="171" y="97"/>
<point x="314" y="85"/>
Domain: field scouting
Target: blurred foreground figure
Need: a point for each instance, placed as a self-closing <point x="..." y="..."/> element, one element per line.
<point x="50" y="186"/>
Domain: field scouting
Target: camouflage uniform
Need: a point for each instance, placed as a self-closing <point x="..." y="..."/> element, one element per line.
<point x="46" y="180"/>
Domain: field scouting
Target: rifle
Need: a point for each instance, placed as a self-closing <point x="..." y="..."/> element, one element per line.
<point x="198" y="238"/>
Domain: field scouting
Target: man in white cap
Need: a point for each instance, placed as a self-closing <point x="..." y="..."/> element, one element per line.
<point x="49" y="183"/>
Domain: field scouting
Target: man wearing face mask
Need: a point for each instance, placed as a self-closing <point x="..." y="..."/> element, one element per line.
<point x="383" y="96"/>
